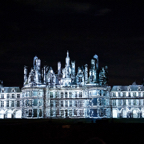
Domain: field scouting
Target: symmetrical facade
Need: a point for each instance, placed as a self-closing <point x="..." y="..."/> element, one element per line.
<point x="127" y="101"/>
<point x="70" y="94"/>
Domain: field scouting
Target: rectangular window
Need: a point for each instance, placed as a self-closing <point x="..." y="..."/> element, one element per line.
<point x="8" y="96"/>
<point x="56" y="94"/>
<point x="51" y="104"/>
<point x="13" y="95"/>
<point x="40" y="112"/>
<point x="30" y="103"/>
<point x="134" y="94"/>
<point x="66" y="96"/>
<point x="62" y="113"/>
<point x="12" y="103"/>
<point x="70" y="103"/>
<point x="75" y="112"/>
<point x="70" y="113"/>
<point x="70" y="94"/>
<point x="34" y="93"/>
<point x="129" y="102"/>
<point x="139" y="94"/>
<point x="40" y="94"/>
<point x="100" y="101"/>
<point x="134" y="102"/>
<point x="81" y="113"/>
<point x="30" y="113"/>
<point x="2" y="96"/>
<point x="75" y="94"/>
<point x="61" y="103"/>
<point x="2" y="103"/>
<point x="18" y="103"/>
<point x="61" y="94"/>
<point x="80" y="94"/>
<point x="35" y="102"/>
<point x="51" y="113"/>
<point x="51" y="94"/>
<point x="124" y="102"/>
<point x="35" y="112"/>
<point x="57" y="103"/>
<point x="114" y="102"/>
<point x="81" y="104"/>
<point x="66" y="103"/>
<point x="7" y="103"/>
<point x="124" y="94"/>
<point x="75" y="103"/>
<point x="18" y="95"/>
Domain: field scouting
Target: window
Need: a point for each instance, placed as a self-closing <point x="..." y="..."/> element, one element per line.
<point x="40" y="112"/>
<point x="75" y="94"/>
<point x="134" y="94"/>
<point x="75" y="103"/>
<point x="81" y="104"/>
<point x="66" y="95"/>
<point x="12" y="103"/>
<point x="51" y="113"/>
<point x="134" y="102"/>
<point x="7" y="103"/>
<point x="61" y="94"/>
<point x="139" y="94"/>
<point x="114" y="102"/>
<point x="30" y="113"/>
<point x="13" y="96"/>
<point x="57" y="103"/>
<point x="2" y="103"/>
<point x="70" y="112"/>
<point x="129" y="102"/>
<point x="70" y="103"/>
<point x="100" y="101"/>
<point x="80" y="94"/>
<point x="119" y="102"/>
<point x="2" y="96"/>
<point x="62" y="113"/>
<point x="7" y="95"/>
<point x="35" y="102"/>
<point x="75" y="112"/>
<point x="70" y="94"/>
<point x="51" y="104"/>
<point x="124" y="102"/>
<point x="129" y="94"/>
<point x="34" y="93"/>
<point x="80" y="79"/>
<point x="51" y="94"/>
<point x="81" y="113"/>
<point x="18" y="95"/>
<point x="18" y="103"/>
<point x="56" y="94"/>
<point x="66" y="103"/>
<point x="30" y="103"/>
<point x="61" y="103"/>
<point x="35" y="112"/>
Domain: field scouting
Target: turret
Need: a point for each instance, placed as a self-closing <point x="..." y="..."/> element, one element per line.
<point x="59" y="68"/>
<point x="86" y="73"/>
<point x="25" y="74"/>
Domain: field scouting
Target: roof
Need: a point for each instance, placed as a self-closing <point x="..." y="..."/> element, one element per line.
<point x="128" y="88"/>
<point x="9" y="89"/>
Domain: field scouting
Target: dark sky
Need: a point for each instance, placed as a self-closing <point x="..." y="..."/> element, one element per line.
<point x="114" y="30"/>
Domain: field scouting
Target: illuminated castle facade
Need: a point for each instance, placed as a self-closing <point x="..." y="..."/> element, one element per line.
<point x="70" y="94"/>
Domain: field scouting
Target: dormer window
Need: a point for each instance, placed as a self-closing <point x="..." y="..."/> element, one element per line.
<point x="139" y="89"/>
<point x="13" y="90"/>
<point x="2" y="91"/>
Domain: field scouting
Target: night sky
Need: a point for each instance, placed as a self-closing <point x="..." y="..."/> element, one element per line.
<point x="114" y="30"/>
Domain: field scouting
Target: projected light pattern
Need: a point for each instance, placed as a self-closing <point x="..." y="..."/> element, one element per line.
<point x="70" y="94"/>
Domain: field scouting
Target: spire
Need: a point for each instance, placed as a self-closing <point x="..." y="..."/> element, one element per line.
<point x="67" y="54"/>
<point x="67" y="59"/>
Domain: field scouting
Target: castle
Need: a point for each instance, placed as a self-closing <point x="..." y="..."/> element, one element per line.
<point x="70" y="94"/>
